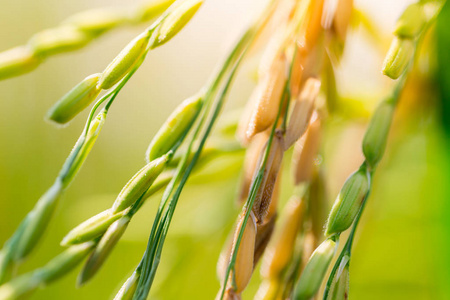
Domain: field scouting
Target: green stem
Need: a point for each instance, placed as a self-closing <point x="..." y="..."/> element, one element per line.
<point x="156" y="240"/>
<point x="346" y="251"/>
<point x="177" y="194"/>
<point x="258" y="179"/>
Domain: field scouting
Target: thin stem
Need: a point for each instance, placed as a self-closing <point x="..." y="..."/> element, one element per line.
<point x="346" y="251"/>
<point x="156" y="239"/>
<point x="177" y="194"/>
<point x="258" y="179"/>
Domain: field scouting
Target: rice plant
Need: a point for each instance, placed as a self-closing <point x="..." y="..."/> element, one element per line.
<point x="301" y="246"/>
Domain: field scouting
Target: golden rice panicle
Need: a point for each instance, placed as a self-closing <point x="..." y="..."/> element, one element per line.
<point x="265" y="99"/>
<point x="281" y="247"/>
<point x="264" y="194"/>
<point x="302" y="112"/>
<point x="305" y="152"/>
<point x="243" y="267"/>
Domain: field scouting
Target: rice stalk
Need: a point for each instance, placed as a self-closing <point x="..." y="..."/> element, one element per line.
<point x="265" y="165"/>
<point x="97" y="225"/>
<point x="54" y="269"/>
<point x="37" y="220"/>
<point x="150" y="260"/>
<point x="348" y="208"/>
<point x="105" y="230"/>
<point x="148" y="266"/>
<point x="73" y="33"/>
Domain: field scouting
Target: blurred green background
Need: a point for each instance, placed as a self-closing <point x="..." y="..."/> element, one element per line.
<point x="401" y="251"/>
